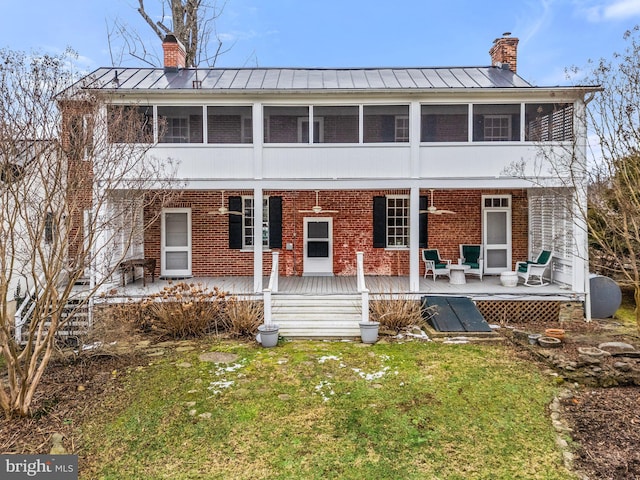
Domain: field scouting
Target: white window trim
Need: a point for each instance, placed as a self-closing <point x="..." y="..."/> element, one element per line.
<point x="408" y="227"/>
<point x="265" y="221"/>
<point x="304" y="124"/>
<point x="398" y="127"/>
<point x="501" y="138"/>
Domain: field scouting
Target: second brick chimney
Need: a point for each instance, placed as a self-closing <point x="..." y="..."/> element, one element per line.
<point x="174" y="53"/>
<point x="505" y="52"/>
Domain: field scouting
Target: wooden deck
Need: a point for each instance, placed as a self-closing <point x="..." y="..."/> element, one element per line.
<point x="489" y="288"/>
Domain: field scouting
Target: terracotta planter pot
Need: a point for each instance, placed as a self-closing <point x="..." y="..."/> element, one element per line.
<point x="555" y="333"/>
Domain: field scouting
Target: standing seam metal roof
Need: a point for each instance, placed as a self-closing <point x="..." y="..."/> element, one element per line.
<point x="228" y="79"/>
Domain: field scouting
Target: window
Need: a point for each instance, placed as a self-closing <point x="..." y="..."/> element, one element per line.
<point x="229" y="124"/>
<point x="496" y="123"/>
<point x="130" y="124"/>
<point x="497" y="128"/>
<point x="397" y="221"/>
<point x="339" y="124"/>
<point x="318" y="130"/>
<point x="180" y="124"/>
<point x="402" y="129"/>
<point x="48" y="228"/>
<point x="444" y="123"/>
<point x="381" y="125"/>
<point x="248" y="222"/>
<point x="81" y="137"/>
<point x="283" y="124"/>
<point x="548" y="122"/>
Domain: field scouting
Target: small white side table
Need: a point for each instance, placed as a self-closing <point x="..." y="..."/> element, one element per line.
<point x="457" y="274"/>
<point x="509" y="279"/>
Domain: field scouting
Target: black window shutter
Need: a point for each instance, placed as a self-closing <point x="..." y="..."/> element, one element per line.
<point x="379" y="222"/>
<point x="422" y="223"/>
<point x="235" y="223"/>
<point x="275" y="222"/>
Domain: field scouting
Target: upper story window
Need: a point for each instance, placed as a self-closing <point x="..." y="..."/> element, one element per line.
<point x="548" y="122"/>
<point x="318" y="130"/>
<point x="130" y="124"/>
<point x="81" y="136"/>
<point x="496" y="123"/>
<point x="180" y="124"/>
<point x="444" y="123"/>
<point x="339" y="124"/>
<point x="229" y="124"/>
<point x="284" y="124"/>
<point x="380" y="123"/>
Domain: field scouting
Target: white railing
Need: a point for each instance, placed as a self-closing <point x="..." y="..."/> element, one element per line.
<point x="272" y="288"/>
<point x="26" y="309"/>
<point x="362" y="288"/>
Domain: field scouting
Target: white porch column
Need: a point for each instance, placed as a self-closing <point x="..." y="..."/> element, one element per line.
<point x="414" y="138"/>
<point x="414" y="239"/>
<point x="257" y="239"/>
<point x="581" y="259"/>
<point x="258" y="139"/>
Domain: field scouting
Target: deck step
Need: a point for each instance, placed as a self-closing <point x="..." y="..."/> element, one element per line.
<point x="326" y="316"/>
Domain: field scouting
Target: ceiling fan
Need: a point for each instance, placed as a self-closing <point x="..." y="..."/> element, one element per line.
<point x="432" y="208"/>
<point x="223" y="210"/>
<point x="317" y="208"/>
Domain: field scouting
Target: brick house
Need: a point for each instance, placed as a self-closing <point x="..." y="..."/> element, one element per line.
<point x="316" y="164"/>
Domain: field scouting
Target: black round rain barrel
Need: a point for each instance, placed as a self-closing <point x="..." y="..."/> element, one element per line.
<point x="606" y="296"/>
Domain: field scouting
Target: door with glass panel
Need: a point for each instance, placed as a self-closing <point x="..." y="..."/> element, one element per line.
<point x="318" y="246"/>
<point x="176" y="242"/>
<point x="496" y="233"/>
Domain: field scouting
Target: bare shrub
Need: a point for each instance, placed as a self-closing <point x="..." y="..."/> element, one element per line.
<point x="396" y="312"/>
<point x="244" y="317"/>
<point x="184" y="310"/>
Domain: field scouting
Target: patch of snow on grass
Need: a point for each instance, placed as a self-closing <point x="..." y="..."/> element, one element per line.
<point x="328" y="357"/>
<point x="323" y="387"/>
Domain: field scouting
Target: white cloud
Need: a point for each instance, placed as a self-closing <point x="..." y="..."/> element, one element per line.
<point x="613" y="10"/>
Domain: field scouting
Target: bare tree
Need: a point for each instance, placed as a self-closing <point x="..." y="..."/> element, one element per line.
<point x="75" y="181"/>
<point x="193" y="22"/>
<point x="613" y="218"/>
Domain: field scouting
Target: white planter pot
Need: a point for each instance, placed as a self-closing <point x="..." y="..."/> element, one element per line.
<point x="369" y="331"/>
<point x="268" y="335"/>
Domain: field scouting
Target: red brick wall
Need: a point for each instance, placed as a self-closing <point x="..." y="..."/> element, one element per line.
<point x="352" y="231"/>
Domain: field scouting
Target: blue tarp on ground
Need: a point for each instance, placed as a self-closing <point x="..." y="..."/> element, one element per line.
<point x="453" y="314"/>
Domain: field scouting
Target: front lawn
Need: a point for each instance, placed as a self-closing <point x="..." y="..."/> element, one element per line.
<point x="323" y="410"/>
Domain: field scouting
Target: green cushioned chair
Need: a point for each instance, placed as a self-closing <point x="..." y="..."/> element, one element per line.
<point x="471" y="255"/>
<point x="433" y="263"/>
<point x="534" y="269"/>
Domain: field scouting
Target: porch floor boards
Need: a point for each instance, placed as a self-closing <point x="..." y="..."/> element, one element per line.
<point x="489" y="287"/>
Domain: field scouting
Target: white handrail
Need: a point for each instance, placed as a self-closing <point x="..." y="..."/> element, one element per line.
<point x="273" y="279"/>
<point x="360" y="271"/>
<point x="25" y="310"/>
<point x="362" y="288"/>
<point x="272" y="288"/>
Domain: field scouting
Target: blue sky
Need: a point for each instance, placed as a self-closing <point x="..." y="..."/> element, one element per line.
<point x="554" y="34"/>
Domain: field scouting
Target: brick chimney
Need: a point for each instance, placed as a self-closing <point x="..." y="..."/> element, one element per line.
<point x="174" y="53"/>
<point x="505" y="52"/>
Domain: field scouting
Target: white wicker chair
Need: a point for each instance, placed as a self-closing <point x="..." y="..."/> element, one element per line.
<point x="471" y="255"/>
<point x="435" y="264"/>
<point x="535" y="269"/>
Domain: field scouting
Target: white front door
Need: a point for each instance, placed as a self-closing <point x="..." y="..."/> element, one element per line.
<point x="318" y="246"/>
<point x="176" y="242"/>
<point x="496" y="233"/>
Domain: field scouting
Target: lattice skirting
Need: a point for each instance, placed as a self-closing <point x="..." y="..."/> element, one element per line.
<point x="506" y="311"/>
